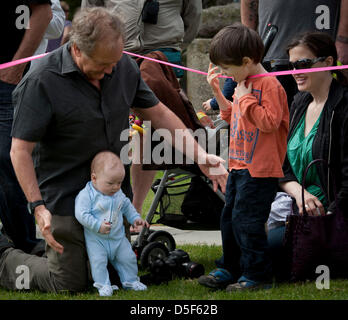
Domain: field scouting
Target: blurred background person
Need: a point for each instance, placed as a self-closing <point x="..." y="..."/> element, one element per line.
<point x="64" y="37"/>
<point x="22" y="42"/>
<point x="329" y="16"/>
<point x="54" y="30"/>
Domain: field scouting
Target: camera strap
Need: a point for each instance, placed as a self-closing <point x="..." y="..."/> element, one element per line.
<point x="149" y="14"/>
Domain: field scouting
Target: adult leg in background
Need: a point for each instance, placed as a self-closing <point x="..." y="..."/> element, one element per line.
<point x="17" y="222"/>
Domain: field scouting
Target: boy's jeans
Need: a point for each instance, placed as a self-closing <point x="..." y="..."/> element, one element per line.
<point x="244" y="242"/>
<point x="18" y="223"/>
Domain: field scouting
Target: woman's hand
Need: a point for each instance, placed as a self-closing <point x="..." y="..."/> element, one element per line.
<point x="312" y="204"/>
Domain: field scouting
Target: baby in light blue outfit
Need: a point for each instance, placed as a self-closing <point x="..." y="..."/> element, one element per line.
<point x="100" y="208"/>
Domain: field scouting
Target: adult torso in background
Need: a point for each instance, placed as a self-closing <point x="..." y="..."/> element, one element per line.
<point x="293" y="17"/>
<point x="12" y="24"/>
<point x="169" y="30"/>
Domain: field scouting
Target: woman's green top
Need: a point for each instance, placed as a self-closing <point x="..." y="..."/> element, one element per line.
<point x="300" y="155"/>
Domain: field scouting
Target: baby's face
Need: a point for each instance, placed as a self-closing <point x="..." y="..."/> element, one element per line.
<point x="109" y="182"/>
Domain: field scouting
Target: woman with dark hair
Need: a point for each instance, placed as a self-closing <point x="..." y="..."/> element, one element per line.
<point x="318" y="130"/>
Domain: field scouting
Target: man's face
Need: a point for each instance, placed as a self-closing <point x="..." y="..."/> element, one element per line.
<point x="101" y="61"/>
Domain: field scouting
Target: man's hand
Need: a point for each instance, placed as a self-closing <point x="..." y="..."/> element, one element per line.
<point x="105" y="228"/>
<point x="215" y="171"/>
<point x="241" y="89"/>
<point x="43" y="218"/>
<point x="12" y="75"/>
<point x="342" y="50"/>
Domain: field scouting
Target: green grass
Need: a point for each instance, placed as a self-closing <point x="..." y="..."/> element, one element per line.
<point x="181" y="289"/>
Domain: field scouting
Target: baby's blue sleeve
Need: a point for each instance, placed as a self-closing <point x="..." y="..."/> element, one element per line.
<point x="83" y="211"/>
<point x="129" y="211"/>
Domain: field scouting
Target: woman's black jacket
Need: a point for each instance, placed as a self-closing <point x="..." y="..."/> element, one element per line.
<point x="330" y="142"/>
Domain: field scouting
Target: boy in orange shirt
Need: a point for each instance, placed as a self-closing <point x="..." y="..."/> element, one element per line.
<point x="259" y="121"/>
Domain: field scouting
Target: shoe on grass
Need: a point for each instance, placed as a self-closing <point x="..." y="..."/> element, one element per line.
<point x="246" y="284"/>
<point x="217" y="279"/>
<point x="105" y="290"/>
<point x="135" y="285"/>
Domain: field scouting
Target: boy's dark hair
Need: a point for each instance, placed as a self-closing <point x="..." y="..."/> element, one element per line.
<point x="232" y="43"/>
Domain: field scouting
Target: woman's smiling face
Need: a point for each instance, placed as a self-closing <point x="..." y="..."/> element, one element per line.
<point x="307" y="81"/>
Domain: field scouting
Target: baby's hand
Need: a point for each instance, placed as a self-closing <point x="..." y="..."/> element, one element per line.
<point x="105" y="227"/>
<point x="141" y="223"/>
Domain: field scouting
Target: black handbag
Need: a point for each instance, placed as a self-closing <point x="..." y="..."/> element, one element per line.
<point x="311" y="241"/>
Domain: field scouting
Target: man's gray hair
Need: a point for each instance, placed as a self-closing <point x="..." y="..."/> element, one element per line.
<point x="91" y="25"/>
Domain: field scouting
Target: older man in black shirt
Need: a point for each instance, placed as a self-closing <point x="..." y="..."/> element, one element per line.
<point x="72" y="105"/>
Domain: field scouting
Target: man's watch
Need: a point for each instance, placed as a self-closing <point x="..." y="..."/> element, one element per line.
<point x="33" y="205"/>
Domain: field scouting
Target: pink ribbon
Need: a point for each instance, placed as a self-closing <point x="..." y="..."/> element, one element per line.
<point x="277" y="73"/>
<point x="290" y="72"/>
<point x="20" y="61"/>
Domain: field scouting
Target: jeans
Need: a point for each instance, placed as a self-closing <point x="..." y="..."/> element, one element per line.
<point x="280" y="262"/>
<point x="18" y="223"/>
<point x="244" y="241"/>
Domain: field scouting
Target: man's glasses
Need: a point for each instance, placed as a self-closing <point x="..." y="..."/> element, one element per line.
<point x="305" y="63"/>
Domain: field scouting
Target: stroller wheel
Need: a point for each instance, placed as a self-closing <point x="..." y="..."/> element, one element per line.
<point x="163" y="237"/>
<point x="152" y="252"/>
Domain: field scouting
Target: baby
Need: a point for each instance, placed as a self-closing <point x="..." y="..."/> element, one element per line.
<point x="100" y="208"/>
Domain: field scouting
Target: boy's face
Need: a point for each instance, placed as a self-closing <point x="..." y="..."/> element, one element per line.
<point x="108" y="182"/>
<point x="239" y="73"/>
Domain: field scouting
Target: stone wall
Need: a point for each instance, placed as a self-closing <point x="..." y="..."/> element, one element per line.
<point x="217" y="17"/>
<point x="197" y="55"/>
<point x="212" y="3"/>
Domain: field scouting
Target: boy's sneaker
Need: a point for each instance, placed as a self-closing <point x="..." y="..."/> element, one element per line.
<point x="135" y="285"/>
<point x="5" y="243"/>
<point x="246" y="284"/>
<point x="217" y="279"/>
